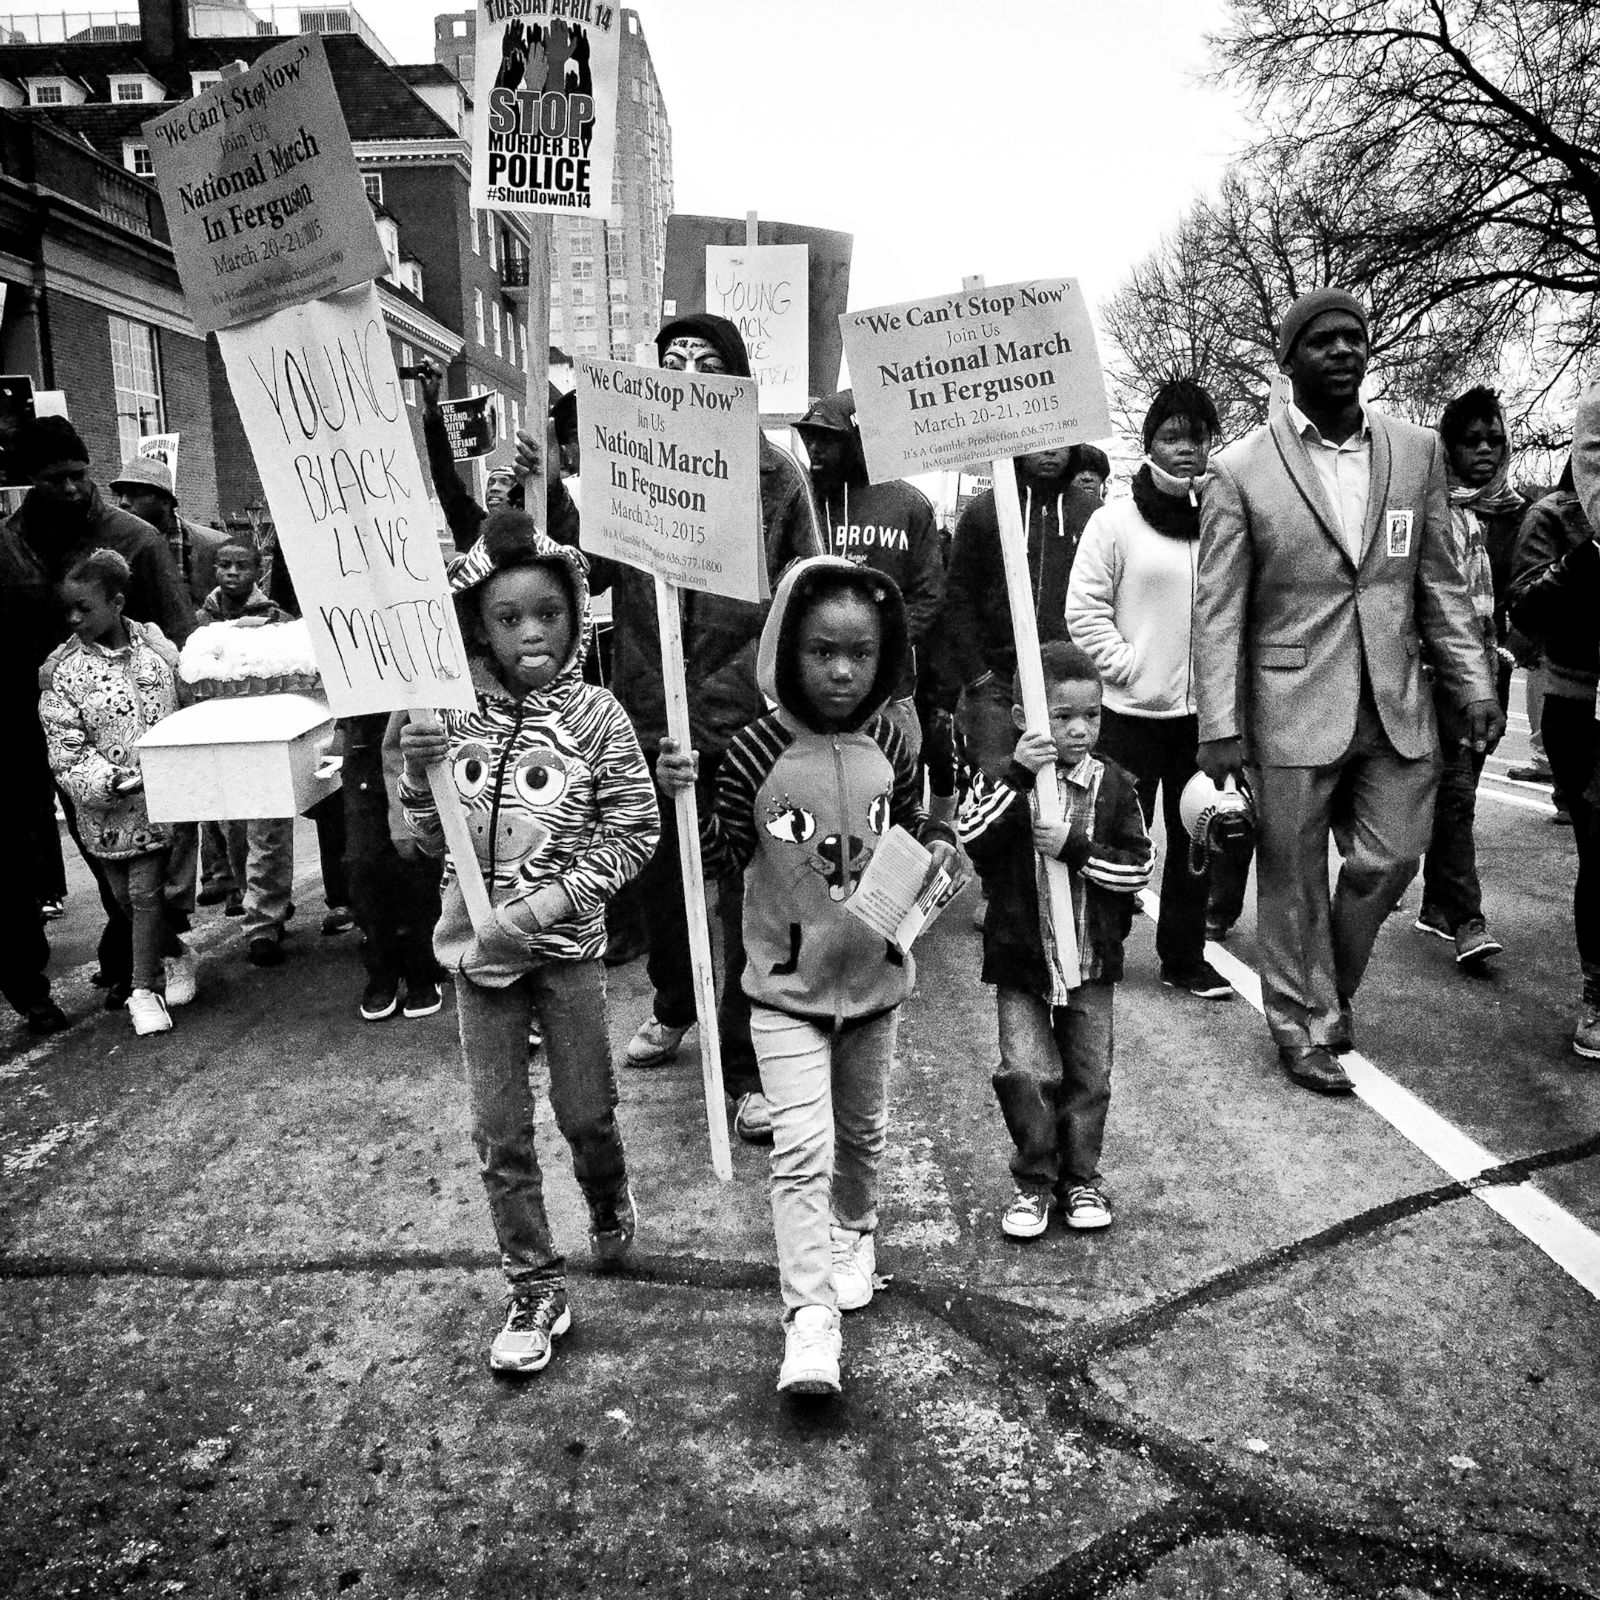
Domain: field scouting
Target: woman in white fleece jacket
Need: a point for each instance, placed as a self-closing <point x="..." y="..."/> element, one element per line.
<point x="1130" y="605"/>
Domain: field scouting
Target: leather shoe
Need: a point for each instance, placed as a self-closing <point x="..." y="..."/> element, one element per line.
<point x="1343" y="1038"/>
<point x="1315" y="1068"/>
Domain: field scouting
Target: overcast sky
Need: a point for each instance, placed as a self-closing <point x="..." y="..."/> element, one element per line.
<point x="1013" y="138"/>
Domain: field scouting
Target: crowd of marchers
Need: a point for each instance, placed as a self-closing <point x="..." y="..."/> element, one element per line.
<point x="1309" y="634"/>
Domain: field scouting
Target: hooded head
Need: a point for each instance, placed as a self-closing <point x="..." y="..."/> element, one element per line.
<point x="807" y="591"/>
<point x="58" y="464"/>
<point x="511" y="543"/>
<point x="833" y="440"/>
<point x="723" y="337"/>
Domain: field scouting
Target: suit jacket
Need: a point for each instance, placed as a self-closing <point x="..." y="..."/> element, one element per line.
<point x="1285" y="616"/>
<point x="203" y="545"/>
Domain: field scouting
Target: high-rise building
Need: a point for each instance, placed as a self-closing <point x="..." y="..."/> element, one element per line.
<point x="605" y="278"/>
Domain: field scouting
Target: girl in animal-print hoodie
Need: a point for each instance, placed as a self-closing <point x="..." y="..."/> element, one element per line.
<point x="562" y="813"/>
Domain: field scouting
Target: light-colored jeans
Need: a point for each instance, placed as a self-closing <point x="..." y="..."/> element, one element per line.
<point x="138" y="883"/>
<point x="829" y="1094"/>
<point x="261" y="856"/>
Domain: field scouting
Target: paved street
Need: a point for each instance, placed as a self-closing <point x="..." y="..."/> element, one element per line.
<point x="248" y="1283"/>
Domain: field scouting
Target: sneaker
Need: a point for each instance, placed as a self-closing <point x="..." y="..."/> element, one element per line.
<point x="1434" y="922"/>
<point x="1027" y="1216"/>
<point x="266" y="950"/>
<point x="811" y="1353"/>
<point x="855" y="1259"/>
<point x="149" y="1012"/>
<point x="338" y="919"/>
<point x="48" y="1018"/>
<point x="1217" y="932"/>
<point x="1087" y="1207"/>
<point x="422" y="1000"/>
<point x="611" y="1229"/>
<point x="183" y="977"/>
<point x="50" y="910"/>
<point x="1201" y="980"/>
<point x="1586" y="1036"/>
<point x="752" y="1118"/>
<point x="534" y="1321"/>
<point x="235" y="905"/>
<point x="654" y="1044"/>
<point x="379" y="999"/>
<point x="1474" y="942"/>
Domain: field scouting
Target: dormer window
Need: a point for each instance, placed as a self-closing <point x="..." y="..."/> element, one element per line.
<point x="54" y="91"/>
<point x="136" y="158"/>
<point x="131" y="86"/>
<point x="199" y="82"/>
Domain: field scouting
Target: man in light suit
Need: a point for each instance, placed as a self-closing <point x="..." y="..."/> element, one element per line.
<point x="1325" y="565"/>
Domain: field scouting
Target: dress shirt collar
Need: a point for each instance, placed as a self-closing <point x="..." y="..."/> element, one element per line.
<point x="1308" y="430"/>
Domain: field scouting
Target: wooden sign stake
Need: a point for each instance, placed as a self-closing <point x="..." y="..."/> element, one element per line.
<point x="1035" y="706"/>
<point x="694" y="881"/>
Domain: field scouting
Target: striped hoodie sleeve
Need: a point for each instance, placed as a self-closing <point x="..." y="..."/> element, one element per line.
<point x="992" y="815"/>
<point x="728" y="837"/>
<point x="1120" y="854"/>
<point x="905" y="798"/>
<point x="417" y="807"/>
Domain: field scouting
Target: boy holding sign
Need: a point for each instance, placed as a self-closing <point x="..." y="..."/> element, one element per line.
<point x="804" y="795"/>
<point x="562" y="813"/>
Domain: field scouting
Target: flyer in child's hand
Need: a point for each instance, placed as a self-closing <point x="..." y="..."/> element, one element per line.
<point x="966" y="378"/>
<point x="895" y="896"/>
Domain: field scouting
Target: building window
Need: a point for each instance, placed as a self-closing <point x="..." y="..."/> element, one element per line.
<point x="516" y="421"/>
<point x="619" y="316"/>
<point x="490" y="229"/>
<point x="477" y="306"/>
<point x="583" y="319"/>
<point x="199" y="82"/>
<point x="408" y="386"/>
<point x="136" y="158"/>
<point x="47" y="94"/>
<point x="136" y="377"/>
<point x="582" y="295"/>
<point x="583" y="266"/>
<point x="494" y="317"/>
<point x="477" y="245"/>
<point x="130" y="91"/>
<point x="458" y="28"/>
<point x="373" y="182"/>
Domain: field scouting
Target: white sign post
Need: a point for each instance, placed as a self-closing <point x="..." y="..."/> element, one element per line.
<point x="672" y="478"/>
<point x="986" y="375"/>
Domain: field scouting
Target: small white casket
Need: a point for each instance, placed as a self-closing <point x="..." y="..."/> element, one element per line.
<point x="260" y="755"/>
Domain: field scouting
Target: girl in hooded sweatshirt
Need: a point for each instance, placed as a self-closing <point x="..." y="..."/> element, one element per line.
<point x="560" y="805"/>
<point x="803" y="796"/>
<point x="1130" y="606"/>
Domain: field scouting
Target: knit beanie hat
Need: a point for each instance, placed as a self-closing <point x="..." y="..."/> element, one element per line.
<point x="51" y="440"/>
<point x="1310" y="306"/>
<point x="1180" y="397"/>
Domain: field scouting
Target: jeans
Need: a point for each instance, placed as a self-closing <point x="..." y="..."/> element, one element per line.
<point x="216" y="872"/>
<point x="1159" y="752"/>
<point x="328" y="815"/>
<point x="1571" y="742"/>
<point x="829" y="1094"/>
<point x="659" y="897"/>
<point x="261" y="856"/>
<point x="139" y="883"/>
<point x="1450" y="886"/>
<point x="569" y="998"/>
<point x="1054" y="1084"/>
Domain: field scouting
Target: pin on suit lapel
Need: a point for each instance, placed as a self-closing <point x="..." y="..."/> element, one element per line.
<point x="1297" y="462"/>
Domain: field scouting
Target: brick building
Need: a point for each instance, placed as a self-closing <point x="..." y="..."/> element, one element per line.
<point x="605" y="278"/>
<point x="72" y="256"/>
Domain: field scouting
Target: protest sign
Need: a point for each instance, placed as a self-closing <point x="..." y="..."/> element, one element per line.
<point x="162" y="447"/>
<point x="763" y="292"/>
<point x="322" y="407"/>
<point x="685" y="286"/>
<point x="16" y="413"/>
<point x="264" y="202"/>
<point x="471" y="426"/>
<point x="671" y="464"/>
<point x="967" y="378"/>
<point x="544" y="125"/>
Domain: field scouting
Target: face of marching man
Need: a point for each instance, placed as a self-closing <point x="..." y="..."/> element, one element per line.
<point x="1328" y="361"/>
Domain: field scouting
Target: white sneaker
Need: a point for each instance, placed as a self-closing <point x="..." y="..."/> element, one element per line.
<point x="183" y="975"/>
<point x="752" y="1118"/>
<point x="149" y="1012"/>
<point x="654" y="1044"/>
<point x="855" y="1258"/>
<point x="1027" y="1216"/>
<point x="811" y="1353"/>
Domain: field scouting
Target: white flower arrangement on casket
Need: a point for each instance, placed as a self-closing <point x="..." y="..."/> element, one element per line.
<point x="227" y="659"/>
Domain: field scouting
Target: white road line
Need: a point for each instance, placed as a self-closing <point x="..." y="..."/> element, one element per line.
<point x="1571" y="1244"/>
<point x="1543" y="807"/>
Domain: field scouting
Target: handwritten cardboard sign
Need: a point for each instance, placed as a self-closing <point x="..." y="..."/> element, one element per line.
<point x="967" y="378"/>
<point x="685" y="288"/>
<point x="672" y="475"/>
<point x="323" y="410"/>
<point x="263" y="199"/>
<point x="471" y="426"/>
<point x="544" y="125"/>
<point x="763" y="292"/>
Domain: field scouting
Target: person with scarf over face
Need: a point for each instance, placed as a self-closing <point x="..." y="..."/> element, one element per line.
<point x="719" y="655"/>
<point x="1484" y="514"/>
<point x="1130" y="606"/>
